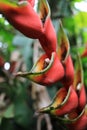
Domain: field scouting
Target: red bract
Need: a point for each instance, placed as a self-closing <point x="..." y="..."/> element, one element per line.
<point x="46" y="71"/>
<point x="64" y="102"/>
<point x="68" y="79"/>
<point x="48" y="39"/>
<point x="23" y="18"/>
<point x="78" y="122"/>
<point x="79" y="85"/>
<point x="38" y="26"/>
<point x="81" y="124"/>
<point x="65" y="58"/>
<point x="70" y="104"/>
<point x="82" y="98"/>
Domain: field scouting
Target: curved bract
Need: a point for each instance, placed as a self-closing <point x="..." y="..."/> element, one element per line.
<point x="63" y="47"/>
<point x="80" y="121"/>
<point x="78" y="78"/>
<point x="64" y="56"/>
<point x="17" y="14"/>
<point x="78" y="84"/>
<point x="32" y="24"/>
<point x="48" y="39"/>
<point x="46" y="71"/>
<point x="68" y="79"/>
<point x="62" y="103"/>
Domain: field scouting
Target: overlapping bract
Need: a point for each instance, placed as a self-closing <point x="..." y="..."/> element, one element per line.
<point x="63" y="50"/>
<point x="45" y="71"/>
<point x="34" y="25"/>
<point x="63" y="102"/>
<point x="44" y="31"/>
<point x="78" y="120"/>
<point x="61" y="70"/>
<point x="69" y="104"/>
<point x="74" y="111"/>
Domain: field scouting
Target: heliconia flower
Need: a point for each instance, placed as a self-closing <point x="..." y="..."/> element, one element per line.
<point x="77" y="121"/>
<point x="77" y="118"/>
<point x="32" y="24"/>
<point x="79" y="85"/>
<point x="64" y="102"/>
<point x="46" y="71"/>
<point x="63" y="54"/>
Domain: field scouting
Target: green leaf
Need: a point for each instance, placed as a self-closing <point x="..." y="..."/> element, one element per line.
<point x="23" y="114"/>
<point x="9" y="113"/>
